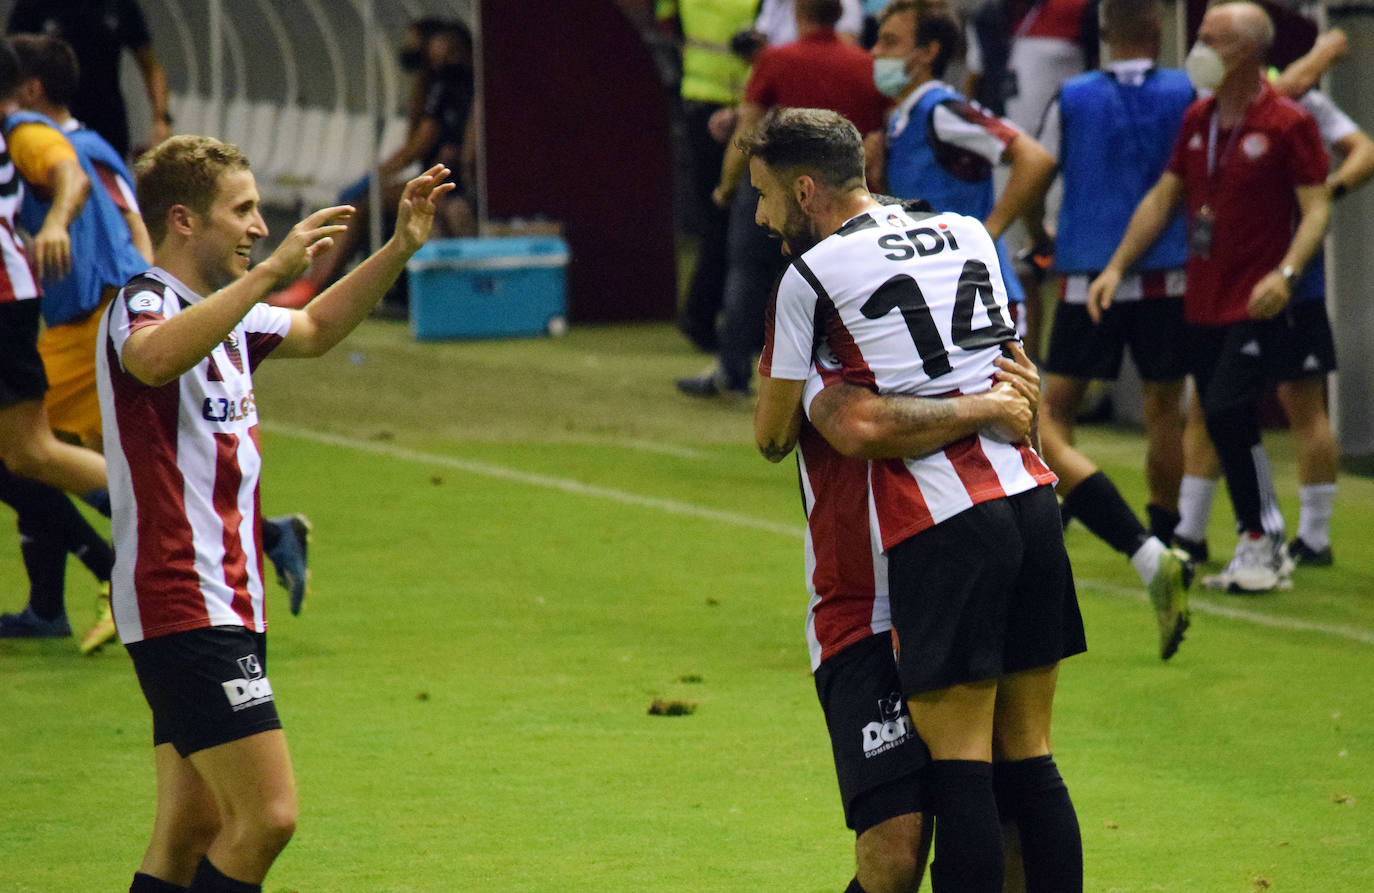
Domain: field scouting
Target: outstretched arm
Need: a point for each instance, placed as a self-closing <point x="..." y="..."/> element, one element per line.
<point x="1303" y="73"/>
<point x="161" y="353"/>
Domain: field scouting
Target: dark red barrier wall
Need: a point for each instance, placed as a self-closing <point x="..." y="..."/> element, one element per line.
<point x="1293" y="32"/>
<point x="577" y="130"/>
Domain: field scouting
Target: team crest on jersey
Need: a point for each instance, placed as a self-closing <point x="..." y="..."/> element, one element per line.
<point x="892" y="727"/>
<point x="250" y="690"/>
<point x="1254" y="145"/>
<point x="144" y="302"/>
<point x="1195" y="142"/>
<point x="231" y="348"/>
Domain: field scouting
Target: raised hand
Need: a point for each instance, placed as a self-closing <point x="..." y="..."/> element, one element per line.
<point x="415" y="214"/>
<point x="307" y="239"/>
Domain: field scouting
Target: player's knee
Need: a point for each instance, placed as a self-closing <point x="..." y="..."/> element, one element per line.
<point x="890" y="855"/>
<point x="1162" y="414"/>
<point x="1306" y="412"/>
<point x="277" y="824"/>
<point x="194" y="834"/>
<point x="892" y="868"/>
<point x="1226" y="418"/>
<point x="265" y="831"/>
<point x="1061" y="409"/>
<point x="1020" y="740"/>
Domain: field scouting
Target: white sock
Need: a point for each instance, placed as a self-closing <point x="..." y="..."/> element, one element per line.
<point x="1146" y="559"/>
<point x="1194" y="507"/>
<point x="1314" y="518"/>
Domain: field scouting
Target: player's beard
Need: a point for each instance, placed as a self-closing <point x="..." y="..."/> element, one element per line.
<point x="798" y="232"/>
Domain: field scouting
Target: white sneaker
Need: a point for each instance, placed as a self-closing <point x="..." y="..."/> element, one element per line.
<point x="1259" y="565"/>
<point x="1283" y="565"/>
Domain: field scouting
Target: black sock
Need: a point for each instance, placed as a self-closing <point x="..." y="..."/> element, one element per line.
<point x="968" y="834"/>
<point x="1032" y="793"/>
<point x="1235" y="433"/>
<point x="271" y="535"/>
<point x="45" y="561"/>
<point x="1162" y="522"/>
<point x="208" y="879"/>
<point x="41" y="510"/>
<point x="855" y="887"/>
<point x="81" y="539"/>
<point x="1097" y="503"/>
<point x="146" y="883"/>
<point x="97" y="556"/>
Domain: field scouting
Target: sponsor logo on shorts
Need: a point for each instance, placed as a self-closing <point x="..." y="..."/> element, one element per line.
<point x="892" y="728"/>
<point x="250" y="691"/>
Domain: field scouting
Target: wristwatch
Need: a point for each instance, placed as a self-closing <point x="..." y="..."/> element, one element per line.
<point x="1289" y="273"/>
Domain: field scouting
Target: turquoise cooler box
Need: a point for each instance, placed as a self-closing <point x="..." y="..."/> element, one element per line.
<point x="488" y="288"/>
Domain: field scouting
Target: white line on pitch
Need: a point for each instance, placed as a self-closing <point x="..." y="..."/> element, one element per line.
<point x="1216" y="609"/>
<point x="566" y="485"/>
<point x="577" y="488"/>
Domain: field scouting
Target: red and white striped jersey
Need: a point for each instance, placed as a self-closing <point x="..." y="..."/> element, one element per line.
<point x="846" y="570"/>
<point x="17" y="282"/>
<point x="183" y="464"/>
<point x="907" y="304"/>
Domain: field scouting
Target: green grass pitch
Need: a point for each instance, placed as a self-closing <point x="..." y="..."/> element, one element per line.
<point x="520" y="546"/>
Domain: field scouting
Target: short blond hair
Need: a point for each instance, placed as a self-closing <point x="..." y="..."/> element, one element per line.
<point x="182" y="170"/>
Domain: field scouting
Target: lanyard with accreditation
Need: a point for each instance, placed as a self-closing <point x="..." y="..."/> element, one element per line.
<point x="1200" y="234"/>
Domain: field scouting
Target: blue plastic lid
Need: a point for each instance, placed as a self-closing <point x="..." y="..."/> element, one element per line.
<point x="492" y="246"/>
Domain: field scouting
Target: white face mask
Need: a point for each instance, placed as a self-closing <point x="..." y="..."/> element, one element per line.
<point x="1204" y="66"/>
<point x="889" y="76"/>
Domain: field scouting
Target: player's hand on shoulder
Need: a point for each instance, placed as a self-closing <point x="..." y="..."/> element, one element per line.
<point x="307" y="239"/>
<point x="415" y="214"/>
